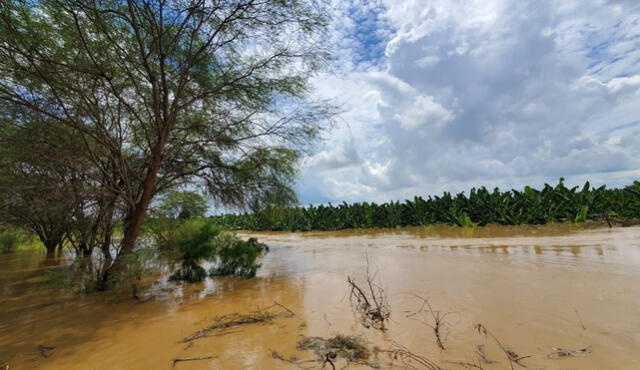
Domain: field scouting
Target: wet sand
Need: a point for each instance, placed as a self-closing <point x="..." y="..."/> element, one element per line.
<point x="534" y="288"/>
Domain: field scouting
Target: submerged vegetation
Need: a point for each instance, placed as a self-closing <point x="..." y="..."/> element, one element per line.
<point x="200" y="239"/>
<point x="480" y="207"/>
<point x="194" y="240"/>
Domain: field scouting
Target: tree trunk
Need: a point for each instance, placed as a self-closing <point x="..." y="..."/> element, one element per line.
<point x="133" y="222"/>
<point x="85" y="250"/>
<point x="51" y="246"/>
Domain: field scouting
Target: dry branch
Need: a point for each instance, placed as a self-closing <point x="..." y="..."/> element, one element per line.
<point x="371" y="302"/>
<point x="190" y="359"/>
<point x="235" y="319"/>
<point x="482" y="355"/>
<point x="439" y="324"/>
<point x="410" y="359"/>
<point x="560" y="353"/>
<point x="293" y="360"/>
<point x="512" y="356"/>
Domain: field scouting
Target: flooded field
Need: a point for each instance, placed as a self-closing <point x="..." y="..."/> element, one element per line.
<point x="567" y="296"/>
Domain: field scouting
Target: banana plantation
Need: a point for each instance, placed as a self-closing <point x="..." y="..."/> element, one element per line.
<point x="479" y="207"/>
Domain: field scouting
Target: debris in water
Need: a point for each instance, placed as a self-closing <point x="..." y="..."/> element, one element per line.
<point x="439" y="324"/>
<point x="45" y="351"/>
<point x="352" y="348"/>
<point x="371" y="302"/>
<point x="235" y="319"/>
<point x="560" y="353"/>
<point x="482" y="355"/>
<point x="409" y="359"/>
<point x="190" y="359"/>
<point x="512" y="356"/>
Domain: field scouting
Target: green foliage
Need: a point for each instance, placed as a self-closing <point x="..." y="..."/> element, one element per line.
<point x="173" y="211"/>
<point x="163" y="231"/>
<point x="194" y="240"/>
<point x="582" y="214"/>
<point x="200" y="240"/>
<point x="466" y="221"/>
<point x="236" y="257"/>
<point x="11" y="238"/>
<point x="480" y="207"/>
<point x="183" y="205"/>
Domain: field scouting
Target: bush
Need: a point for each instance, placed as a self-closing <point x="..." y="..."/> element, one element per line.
<point x="194" y="240"/>
<point x="200" y="240"/>
<point x="236" y="257"/>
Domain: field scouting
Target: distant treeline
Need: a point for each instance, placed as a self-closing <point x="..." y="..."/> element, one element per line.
<point x="479" y="207"/>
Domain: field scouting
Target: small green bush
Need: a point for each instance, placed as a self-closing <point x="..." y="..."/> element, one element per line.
<point x="200" y="240"/>
<point x="236" y="257"/>
<point x="194" y="240"/>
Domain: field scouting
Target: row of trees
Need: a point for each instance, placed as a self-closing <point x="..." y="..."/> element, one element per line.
<point x="107" y="104"/>
<point x="481" y="206"/>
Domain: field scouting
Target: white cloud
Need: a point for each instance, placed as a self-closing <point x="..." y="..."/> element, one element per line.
<point x="470" y="93"/>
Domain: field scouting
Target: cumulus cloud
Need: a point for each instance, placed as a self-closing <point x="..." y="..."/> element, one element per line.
<point x="456" y="94"/>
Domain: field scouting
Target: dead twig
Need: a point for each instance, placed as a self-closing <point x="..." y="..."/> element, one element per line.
<point x="235" y="319"/>
<point x="410" y="359"/>
<point x="175" y="361"/>
<point x="512" y="356"/>
<point x="482" y="355"/>
<point x="292" y="360"/>
<point x="328" y="359"/>
<point x="284" y="308"/>
<point x="372" y="304"/>
<point x="439" y="324"/>
<point x="560" y="353"/>
<point x="467" y="365"/>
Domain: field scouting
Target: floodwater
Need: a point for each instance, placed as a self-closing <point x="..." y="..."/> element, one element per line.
<point x="533" y="288"/>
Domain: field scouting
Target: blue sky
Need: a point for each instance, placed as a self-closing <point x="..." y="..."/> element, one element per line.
<point x="447" y="95"/>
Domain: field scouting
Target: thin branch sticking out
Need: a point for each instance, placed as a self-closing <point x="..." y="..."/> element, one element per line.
<point x="370" y="301"/>
<point x="410" y="359"/>
<point x="512" y="356"/>
<point x="439" y="324"/>
<point x="190" y="359"/>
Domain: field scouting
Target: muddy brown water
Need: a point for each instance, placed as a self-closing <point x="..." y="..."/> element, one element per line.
<point x="533" y="288"/>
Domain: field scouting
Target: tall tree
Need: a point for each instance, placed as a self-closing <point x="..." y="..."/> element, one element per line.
<point x="171" y="91"/>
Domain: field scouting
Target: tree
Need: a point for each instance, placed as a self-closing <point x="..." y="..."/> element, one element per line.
<point x="166" y="92"/>
<point x="47" y="187"/>
<point x="183" y="205"/>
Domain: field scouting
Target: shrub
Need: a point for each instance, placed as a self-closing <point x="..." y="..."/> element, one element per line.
<point x="236" y="257"/>
<point x="194" y="240"/>
<point x="199" y="240"/>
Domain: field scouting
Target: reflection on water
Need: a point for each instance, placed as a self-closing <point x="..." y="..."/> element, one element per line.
<point x="533" y="287"/>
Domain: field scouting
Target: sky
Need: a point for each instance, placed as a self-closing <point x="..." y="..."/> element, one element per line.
<point x="446" y="95"/>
